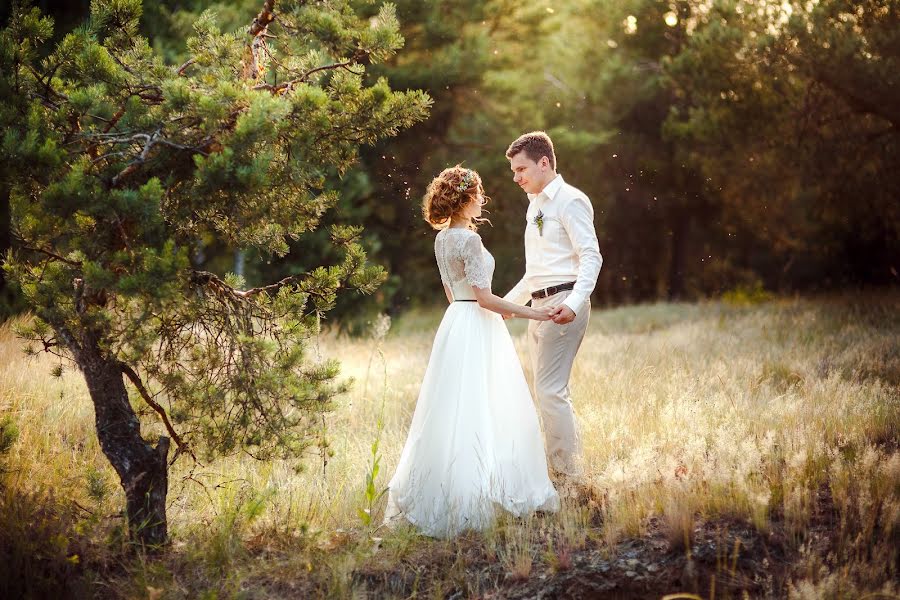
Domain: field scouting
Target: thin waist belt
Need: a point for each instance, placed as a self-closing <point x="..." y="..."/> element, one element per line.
<point x="472" y="300"/>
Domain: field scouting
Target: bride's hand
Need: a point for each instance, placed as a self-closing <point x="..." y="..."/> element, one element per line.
<point x="542" y="313"/>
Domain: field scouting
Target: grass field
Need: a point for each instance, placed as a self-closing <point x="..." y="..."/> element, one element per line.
<point x="730" y="449"/>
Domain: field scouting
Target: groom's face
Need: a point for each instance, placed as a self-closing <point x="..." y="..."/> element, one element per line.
<point x="531" y="176"/>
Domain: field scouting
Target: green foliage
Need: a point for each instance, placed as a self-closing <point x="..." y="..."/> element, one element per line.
<point x="726" y="142"/>
<point x="371" y="493"/>
<point x="720" y="142"/>
<point x="97" y="487"/>
<point x="39" y="545"/>
<point x="456" y="51"/>
<point x="9" y="433"/>
<point x="39" y="549"/>
<point x="790" y="112"/>
<point x="120" y="166"/>
<point x="747" y="295"/>
<point x="221" y="544"/>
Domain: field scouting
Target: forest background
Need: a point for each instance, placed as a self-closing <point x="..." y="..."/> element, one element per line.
<point x="727" y="146"/>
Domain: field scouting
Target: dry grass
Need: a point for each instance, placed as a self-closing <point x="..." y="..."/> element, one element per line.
<point x="687" y="412"/>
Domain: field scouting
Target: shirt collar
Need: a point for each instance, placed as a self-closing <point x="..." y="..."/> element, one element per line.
<point x="549" y="190"/>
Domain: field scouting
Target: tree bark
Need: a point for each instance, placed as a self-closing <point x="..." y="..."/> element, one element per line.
<point x="141" y="467"/>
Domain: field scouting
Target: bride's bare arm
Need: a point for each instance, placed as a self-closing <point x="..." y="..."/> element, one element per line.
<point x="447" y="291"/>
<point x="487" y="299"/>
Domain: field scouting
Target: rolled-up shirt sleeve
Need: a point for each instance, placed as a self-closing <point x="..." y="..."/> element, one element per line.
<point x="578" y="220"/>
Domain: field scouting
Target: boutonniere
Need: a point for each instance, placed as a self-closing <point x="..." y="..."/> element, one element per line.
<point x="539" y="222"/>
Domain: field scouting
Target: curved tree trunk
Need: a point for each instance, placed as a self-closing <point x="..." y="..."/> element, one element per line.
<point x="141" y="467"/>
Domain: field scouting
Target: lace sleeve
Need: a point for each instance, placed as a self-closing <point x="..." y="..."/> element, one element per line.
<point x="477" y="274"/>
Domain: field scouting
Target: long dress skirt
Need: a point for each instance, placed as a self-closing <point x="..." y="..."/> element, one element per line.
<point x="474" y="444"/>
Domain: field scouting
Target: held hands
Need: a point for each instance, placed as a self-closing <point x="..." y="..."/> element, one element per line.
<point x="562" y="314"/>
<point x="544" y="313"/>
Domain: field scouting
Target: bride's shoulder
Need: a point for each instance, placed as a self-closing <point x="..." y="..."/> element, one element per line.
<point x="471" y="238"/>
<point x="461" y="233"/>
<point x="460" y="240"/>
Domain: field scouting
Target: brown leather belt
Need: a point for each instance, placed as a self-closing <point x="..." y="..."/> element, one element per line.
<point x="553" y="289"/>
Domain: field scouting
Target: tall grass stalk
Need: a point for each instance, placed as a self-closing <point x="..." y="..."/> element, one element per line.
<point x="371" y="494"/>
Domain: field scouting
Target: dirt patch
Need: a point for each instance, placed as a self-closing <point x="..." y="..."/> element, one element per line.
<point x="722" y="558"/>
<point x="725" y="558"/>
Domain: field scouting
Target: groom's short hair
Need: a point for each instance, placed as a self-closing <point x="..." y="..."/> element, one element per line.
<point x="535" y="145"/>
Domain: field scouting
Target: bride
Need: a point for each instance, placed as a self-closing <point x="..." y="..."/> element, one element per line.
<point x="474" y="443"/>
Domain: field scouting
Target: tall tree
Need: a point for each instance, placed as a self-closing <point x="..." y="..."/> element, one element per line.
<point x="453" y="51"/>
<point x="791" y="110"/>
<point x="449" y="52"/>
<point x="67" y="14"/>
<point x="612" y="99"/>
<point x="119" y="165"/>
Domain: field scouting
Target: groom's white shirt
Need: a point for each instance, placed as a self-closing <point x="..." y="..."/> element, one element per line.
<point x="565" y="249"/>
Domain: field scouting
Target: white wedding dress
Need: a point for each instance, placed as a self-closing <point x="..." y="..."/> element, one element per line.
<point x="474" y="443"/>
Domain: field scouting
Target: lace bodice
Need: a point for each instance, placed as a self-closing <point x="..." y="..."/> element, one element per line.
<point x="463" y="262"/>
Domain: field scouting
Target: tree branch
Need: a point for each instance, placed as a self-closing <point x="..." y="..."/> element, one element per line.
<point x="262" y="20"/>
<point x="152" y="140"/>
<point x="290" y="84"/>
<point x="182" y="447"/>
<point x="133" y="165"/>
<point x="269" y="288"/>
<point x="253" y="67"/>
<point x="184" y="67"/>
<point x="207" y="278"/>
<point x="74" y="263"/>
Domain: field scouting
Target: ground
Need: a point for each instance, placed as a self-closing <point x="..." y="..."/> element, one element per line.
<point x="733" y="447"/>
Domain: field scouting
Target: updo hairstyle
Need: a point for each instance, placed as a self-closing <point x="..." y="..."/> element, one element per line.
<point x="448" y="194"/>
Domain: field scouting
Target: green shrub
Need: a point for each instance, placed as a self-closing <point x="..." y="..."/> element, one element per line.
<point x="747" y="295"/>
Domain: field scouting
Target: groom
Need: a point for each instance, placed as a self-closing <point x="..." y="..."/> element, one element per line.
<point x="562" y="262"/>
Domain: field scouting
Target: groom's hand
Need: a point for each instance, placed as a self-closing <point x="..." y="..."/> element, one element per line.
<point x="562" y="314"/>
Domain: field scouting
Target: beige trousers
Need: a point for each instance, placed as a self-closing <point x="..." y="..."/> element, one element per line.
<point x="552" y="349"/>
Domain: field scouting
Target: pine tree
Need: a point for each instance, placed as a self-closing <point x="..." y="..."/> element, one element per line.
<point x="791" y="108"/>
<point x="120" y="166"/>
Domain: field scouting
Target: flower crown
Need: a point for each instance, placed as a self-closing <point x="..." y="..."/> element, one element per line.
<point x="467" y="180"/>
